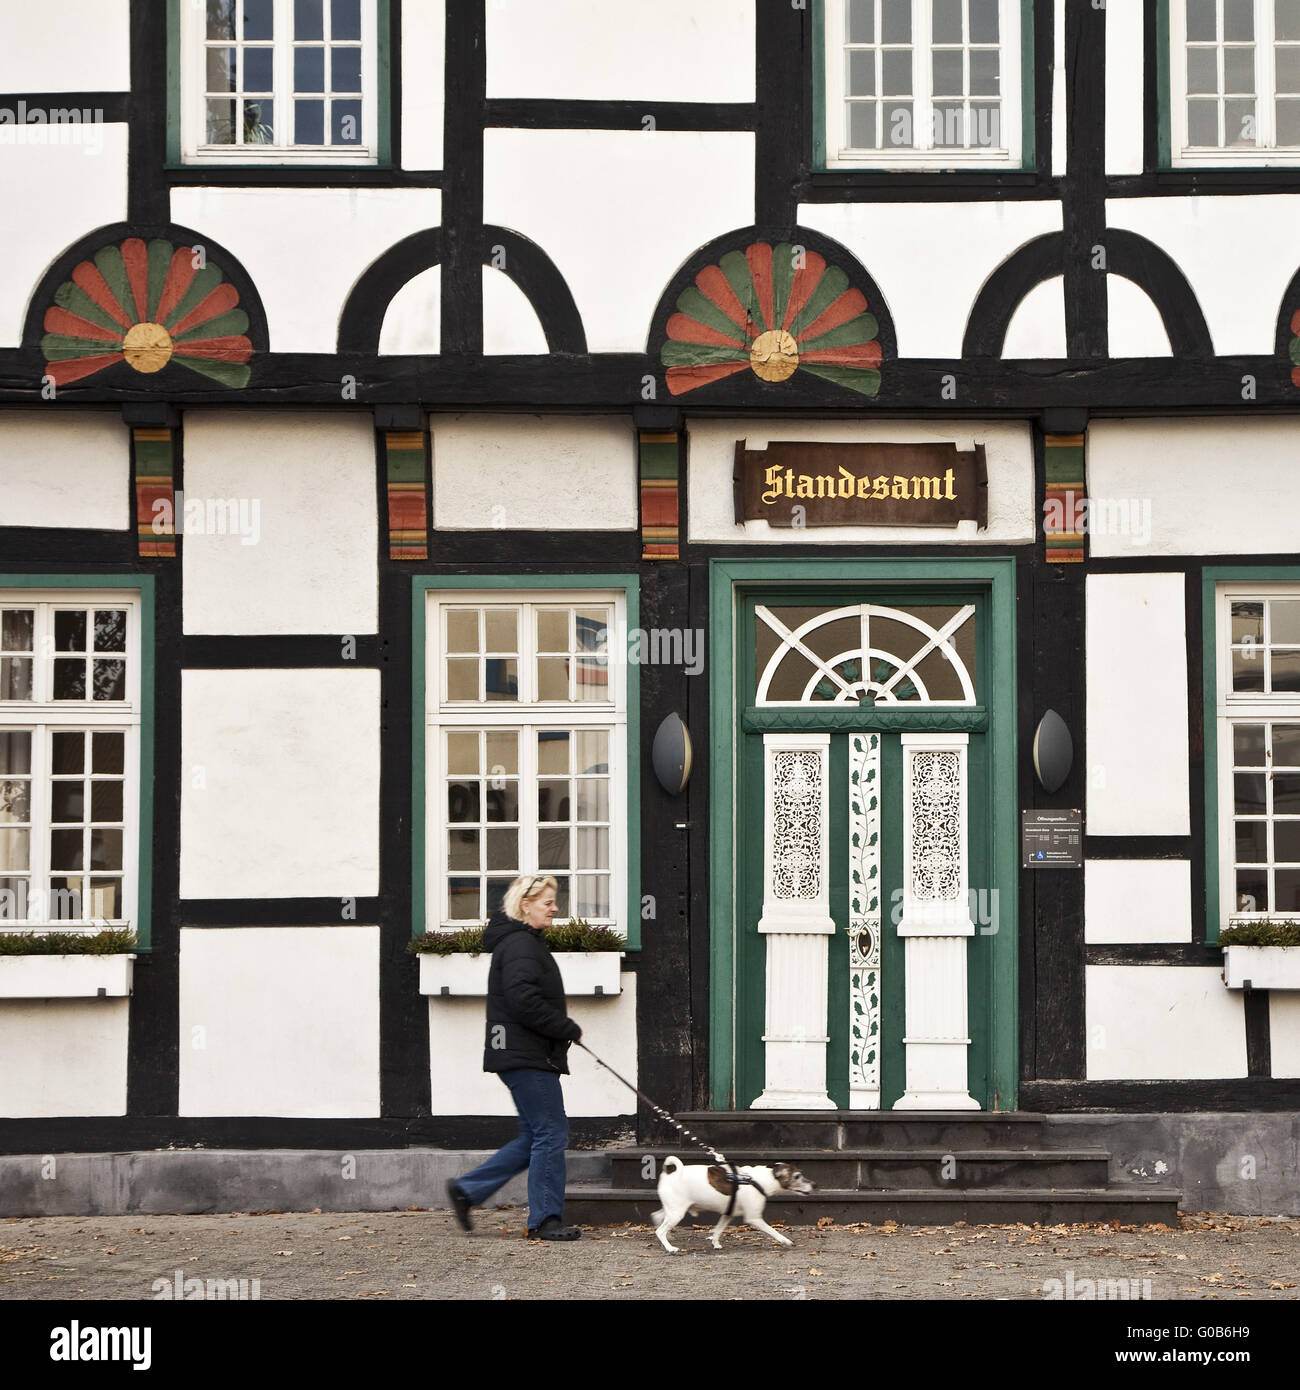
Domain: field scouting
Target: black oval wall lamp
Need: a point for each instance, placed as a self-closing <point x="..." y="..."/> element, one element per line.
<point x="670" y="756"/>
<point x="1053" y="751"/>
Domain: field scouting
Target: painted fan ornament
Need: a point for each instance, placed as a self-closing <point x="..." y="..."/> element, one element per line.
<point x="776" y="312"/>
<point x="147" y="306"/>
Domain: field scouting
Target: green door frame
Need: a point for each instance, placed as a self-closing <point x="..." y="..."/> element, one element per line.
<point x="729" y="581"/>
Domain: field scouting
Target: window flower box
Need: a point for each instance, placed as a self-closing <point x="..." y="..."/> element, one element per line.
<point x="1263" y="967"/>
<point x="464" y="973"/>
<point x="65" y="976"/>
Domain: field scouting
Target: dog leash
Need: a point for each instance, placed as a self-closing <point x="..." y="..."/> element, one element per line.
<point x="735" y="1178"/>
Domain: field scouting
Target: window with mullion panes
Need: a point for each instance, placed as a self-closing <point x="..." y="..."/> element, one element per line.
<point x="1236" y="77"/>
<point x="69" y="728"/>
<point x="526" y="753"/>
<point x="1260" y="753"/>
<point x="283" y="77"/>
<point x="921" y="77"/>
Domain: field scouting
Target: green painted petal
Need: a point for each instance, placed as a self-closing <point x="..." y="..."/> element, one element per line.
<point x="736" y="268"/>
<point x="160" y="259"/>
<point x="59" y="347"/>
<point x="227" y="373"/>
<point x="695" y="304"/>
<point x="1295" y="351"/>
<point x="866" y="383"/>
<point x="204" y="282"/>
<point x="829" y="288"/>
<point x="698" y="354"/>
<point x="859" y="330"/>
<point x="223" y="326"/>
<point x="782" y="279"/>
<point x="76" y="301"/>
<point x="108" y="261"/>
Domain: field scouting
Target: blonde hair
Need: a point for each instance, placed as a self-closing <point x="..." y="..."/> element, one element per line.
<point x="526" y="886"/>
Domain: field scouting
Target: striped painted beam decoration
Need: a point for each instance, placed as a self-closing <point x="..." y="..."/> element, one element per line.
<point x="659" y="499"/>
<point x="1064" y="509"/>
<point x="408" y="511"/>
<point x="154" y="460"/>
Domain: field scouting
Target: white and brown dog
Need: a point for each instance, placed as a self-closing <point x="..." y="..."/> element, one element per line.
<point x="683" y="1190"/>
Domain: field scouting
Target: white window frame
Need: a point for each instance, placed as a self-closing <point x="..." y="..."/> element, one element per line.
<point x="1241" y="708"/>
<point x="1265" y="152"/>
<point x="528" y="715"/>
<point x="92" y="715"/>
<point x="925" y="156"/>
<point x="193" y="85"/>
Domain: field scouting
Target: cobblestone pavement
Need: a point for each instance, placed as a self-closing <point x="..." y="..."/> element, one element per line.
<point x="423" y="1255"/>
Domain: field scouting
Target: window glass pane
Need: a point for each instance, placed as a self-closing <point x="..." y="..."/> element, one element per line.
<point x="552" y="752"/>
<point x="1286" y="890"/>
<point x="15" y="849"/>
<point x="462" y="630"/>
<point x="1248" y="794"/>
<point x="105" y="849"/>
<point x="15" y="678"/>
<point x="983" y="21"/>
<point x="984" y="73"/>
<point x="462" y="678"/>
<point x="309" y="69"/>
<point x="463" y="850"/>
<point x="553" y="630"/>
<point x="1202" y="70"/>
<point x="1286" y="793"/>
<point x="553" y="849"/>
<point x="345" y="122"/>
<point x="463" y="899"/>
<point x="897" y="130"/>
<point x="219" y="128"/>
<point x="1252" y="841"/>
<point x="1239" y="122"/>
<point x="259" y="122"/>
<point x="108" y="753"/>
<point x="222" y="70"/>
<point x="986" y="124"/>
<point x="1286" y="745"/>
<point x="1284" y="621"/>
<point x="68" y="752"/>
<point x="68" y="801"/>
<point x="1203" y="123"/>
<point x="65" y="899"/>
<point x="1248" y="622"/>
<point x="221" y="19"/>
<point x="503" y="800"/>
<point x="1201" y="21"/>
<point x="463" y="801"/>
<point x="592" y="848"/>
<point x="66" y="848"/>
<point x="862" y="72"/>
<point x="110" y="630"/>
<point x="503" y="849"/>
<point x="16" y="753"/>
<point x="16" y="630"/>
<point x="1288" y="122"/>
<point x="496" y="892"/>
<point x="109" y="680"/>
<point x="70" y="679"/>
<point x="1248" y="668"/>
<point x="896" y="72"/>
<point x="70" y="630"/>
<point x="1286" y="670"/>
<point x="947" y="73"/>
<point x="106" y="801"/>
<point x="896" y="21"/>
<point x="552" y="678"/>
<point x="592" y="751"/>
<point x="862" y="21"/>
<point x="1239" y="70"/>
<point x="345" y="70"/>
<point x="591" y="893"/>
<point x="502" y="630"/>
<point x="1286" y="19"/>
<point x="502" y="752"/>
<point x="553" y="800"/>
<point x="1238" y="19"/>
<point x="309" y="122"/>
<point x="105" y="897"/>
<point x="1286" y="842"/>
<point x="345" y="19"/>
<point x="1252" y="890"/>
<point x="463" y="754"/>
<point x="949" y="123"/>
<point x="946" y="21"/>
<point x="259" y="19"/>
<point x="502" y="675"/>
<point x="259" y="70"/>
<point x="307" y="19"/>
<point x="862" y="125"/>
<point x="593" y="799"/>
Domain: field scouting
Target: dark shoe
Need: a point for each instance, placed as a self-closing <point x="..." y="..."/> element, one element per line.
<point x="460" y="1204"/>
<point x="551" y="1229"/>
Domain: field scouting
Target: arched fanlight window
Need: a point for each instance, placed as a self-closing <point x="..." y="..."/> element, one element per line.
<point x="865" y="653"/>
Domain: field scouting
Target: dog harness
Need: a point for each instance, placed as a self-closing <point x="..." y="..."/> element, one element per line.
<point x="736" y="1179"/>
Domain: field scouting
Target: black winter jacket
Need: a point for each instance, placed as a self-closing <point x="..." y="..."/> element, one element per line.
<point x="526" y="1022"/>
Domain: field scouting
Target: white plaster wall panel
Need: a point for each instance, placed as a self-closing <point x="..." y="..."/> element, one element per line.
<point x="930" y="260"/>
<point x="534" y="473"/>
<point x="306" y="247"/>
<point x="1163" y="1023"/>
<point x="588" y="199"/>
<point x="673" y="50"/>
<point x="1137" y="900"/>
<point x="1284" y="1031"/>
<point x="1037" y="328"/>
<point x="1133" y="323"/>
<point x="280" y="788"/>
<point x="1125" y="119"/>
<point x="279" y="1021"/>
<point x="1175" y="465"/>
<point x="413" y="320"/>
<point x="302" y="556"/>
<point x="460" y="1086"/>
<point x="63" y="1057"/>
<point x="65" y="471"/>
<point x="510" y="323"/>
<point x="711" y="457"/>
<point x="57" y="187"/>
<point x="1238" y="255"/>
<point x="424" y="28"/>
<point x="1137" y="705"/>
<point x="66" y="46"/>
<point x="1058" y="89"/>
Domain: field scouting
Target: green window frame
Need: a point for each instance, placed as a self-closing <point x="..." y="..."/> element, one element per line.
<point x="531" y="588"/>
<point x="183" y="66"/>
<point x="141" y="586"/>
<point x="827" y="16"/>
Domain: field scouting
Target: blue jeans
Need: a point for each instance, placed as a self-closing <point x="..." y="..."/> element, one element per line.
<point x="539" y="1147"/>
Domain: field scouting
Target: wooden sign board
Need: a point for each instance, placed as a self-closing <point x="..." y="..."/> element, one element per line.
<point x="804" y="484"/>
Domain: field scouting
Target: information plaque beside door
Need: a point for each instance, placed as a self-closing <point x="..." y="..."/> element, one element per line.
<point x="1051" y="840"/>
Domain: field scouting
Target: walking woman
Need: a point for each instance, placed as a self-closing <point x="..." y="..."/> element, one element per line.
<point x="528" y="1037"/>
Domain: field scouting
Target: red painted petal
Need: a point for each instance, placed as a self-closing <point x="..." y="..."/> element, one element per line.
<point x="848" y="306"/>
<point x="87" y="277"/>
<point x="1295" y="323"/>
<point x="683" y="379"/>
<point x="136" y="260"/>
<point x="804" y="283"/>
<point x="759" y="257"/>
<point x="63" y="321"/>
<point x="220" y="301"/>
<point x="235" y="349"/>
<point x="1295" y="376"/>
<point x="714" y="285"/>
<point x="77" y="367"/>
<point x="684" y="329"/>
<point x="179" y="274"/>
<point x="859" y="355"/>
